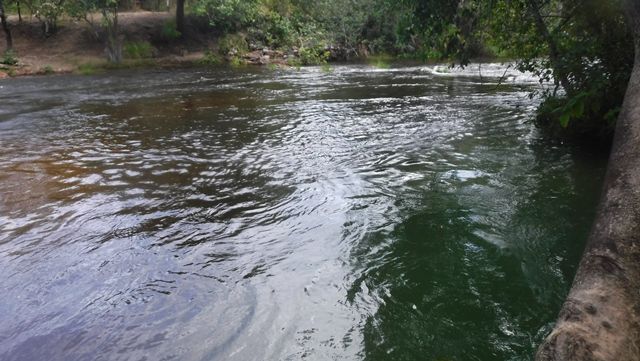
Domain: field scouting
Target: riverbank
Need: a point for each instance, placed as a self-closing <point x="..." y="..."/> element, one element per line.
<point x="75" y="48"/>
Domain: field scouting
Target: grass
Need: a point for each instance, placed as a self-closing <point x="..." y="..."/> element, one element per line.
<point x="382" y="61"/>
<point x="89" y="69"/>
<point x="138" y="50"/>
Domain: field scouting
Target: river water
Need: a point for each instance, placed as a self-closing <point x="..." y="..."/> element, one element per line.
<point x="252" y="214"/>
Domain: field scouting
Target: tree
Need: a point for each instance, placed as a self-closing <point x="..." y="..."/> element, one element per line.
<point x="19" y="10"/>
<point x="580" y="45"/>
<point x="180" y="16"/>
<point x="108" y="27"/>
<point x="600" y="319"/>
<point x="48" y="13"/>
<point x="5" y="27"/>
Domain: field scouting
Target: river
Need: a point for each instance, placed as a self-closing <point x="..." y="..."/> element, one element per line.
<point x="410" y="213"/>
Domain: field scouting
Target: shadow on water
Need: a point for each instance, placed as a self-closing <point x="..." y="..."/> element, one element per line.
<point x="478" y="269"/>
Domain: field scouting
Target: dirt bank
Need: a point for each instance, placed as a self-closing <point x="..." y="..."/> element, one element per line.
<point x="75" y="45"/>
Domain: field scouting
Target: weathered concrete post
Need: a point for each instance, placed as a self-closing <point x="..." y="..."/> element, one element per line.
<point x="600" y="320"/>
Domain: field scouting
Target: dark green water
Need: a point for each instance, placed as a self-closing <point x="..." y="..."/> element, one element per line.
<point x="358" y="214"/>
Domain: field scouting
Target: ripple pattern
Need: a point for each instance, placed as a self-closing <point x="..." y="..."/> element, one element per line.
<point x="361" y="213"/>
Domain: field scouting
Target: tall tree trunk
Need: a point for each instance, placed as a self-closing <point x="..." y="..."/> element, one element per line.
<point x="5" y="26"/>
<point x="180" y="16"/>
<point x="600" y="320"/>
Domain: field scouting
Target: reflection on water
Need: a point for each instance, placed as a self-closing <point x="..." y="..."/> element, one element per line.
<point x="404" y="214"/>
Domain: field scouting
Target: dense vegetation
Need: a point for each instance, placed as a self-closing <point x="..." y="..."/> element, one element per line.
<point x="582" y="47"/>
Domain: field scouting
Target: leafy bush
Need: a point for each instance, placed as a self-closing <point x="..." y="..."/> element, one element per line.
<point x="313" y="56"/>
<point x="9" y="58"/>
<point x="236" y="62"/>
<point x="233" y="44"/>
<point x="47" y="70"/>
<point x="210" y="59"/>
<point x="138" y="50"/>
<point x="227" y="15"/>
<point x="589" y="67"/>
<point x="274" y="30"/>
<point x="48" y="12"/>
<point x="169" y="31"/>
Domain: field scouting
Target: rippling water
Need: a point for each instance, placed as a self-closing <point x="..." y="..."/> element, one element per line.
<point x="357" y="214"/>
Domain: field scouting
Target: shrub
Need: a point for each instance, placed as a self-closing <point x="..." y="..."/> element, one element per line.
<point x="234" y="44"/>
<point x="9" y="58"/>
<point x="87" y="69"/>
<point x="169" y="31"/>
<point x="313" y="55"/>
<point x="47" y="70"/>
<point x="210" y="59"/>
<point x="138" y="50"/>
<point x="236" y="62"/>
<point x="227" y="15"/>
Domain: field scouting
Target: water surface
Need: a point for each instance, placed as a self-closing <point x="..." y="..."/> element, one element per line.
<point x="356" y="214"/>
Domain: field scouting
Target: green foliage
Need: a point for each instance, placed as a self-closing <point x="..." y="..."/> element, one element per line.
<point x="591" y="65"/>
<point x="273" y="29"/>
<point x="138" y="50"/>
<point x="227" y="15"/>
<point x="573" y="108"/>
<point x="47" y="70"/>
<point x="382" y="61"/>
<point x="87" y="69"/>
<point x="233" y="44"/>
<point x="169" y="31"/>
<point x="354" y="27"/>
<point x="48" y="13"/>
<point x="581" y="50"/>
<point x="313" y="56"/>
<point x="210" y="58"/>
<point x="236" y="62"/>
<point x="107" y="27"/>
<point x="9" y="58"/>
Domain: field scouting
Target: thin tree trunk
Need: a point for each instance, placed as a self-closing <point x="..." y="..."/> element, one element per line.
<point x="554" y="53"/>
<point x="19" y="11"/>
<point x="114" y="42"/>
<point x="180" y="16"/>
<point x="5" y="26"/>
<point x="600" y="319"/>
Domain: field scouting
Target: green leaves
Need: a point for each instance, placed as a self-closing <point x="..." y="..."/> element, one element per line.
<point x="574" y="108"/>
<point x="228" y="15"/>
